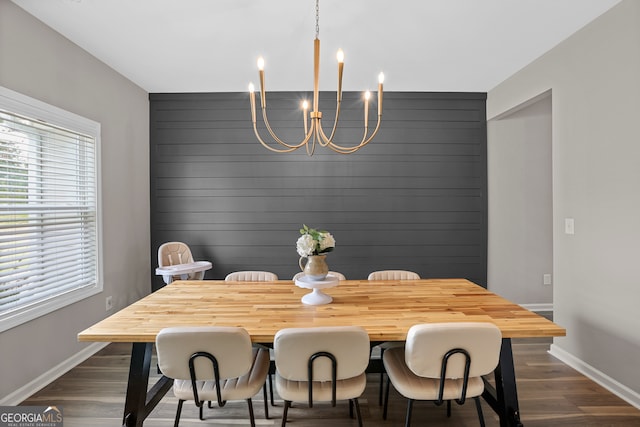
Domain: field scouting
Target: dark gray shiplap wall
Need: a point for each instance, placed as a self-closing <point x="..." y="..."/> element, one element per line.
<point x="415" y="198"/>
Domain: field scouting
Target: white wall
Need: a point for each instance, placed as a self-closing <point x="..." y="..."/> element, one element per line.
<point x="520" y="244"/>
<point x="36" y="61"/>
<point x="595" y="80"/>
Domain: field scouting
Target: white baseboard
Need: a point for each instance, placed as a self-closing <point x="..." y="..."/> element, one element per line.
<point x="538" y="307"/>
<point x="620" y="390"/>
<point x="51" y="375"/>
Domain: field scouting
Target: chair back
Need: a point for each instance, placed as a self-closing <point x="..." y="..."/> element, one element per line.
<point x="340" y="276"/>
<point x="427" y="344"/>
<point x="230" y="346"/>
<point x="172" y="253"/>
<point x="251" y="276"/>
<point x="294" y="347"/>
<point x="393" y="275"/>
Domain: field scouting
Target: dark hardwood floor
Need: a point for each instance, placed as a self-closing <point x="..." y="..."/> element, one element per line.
<point x="551" y="394"/>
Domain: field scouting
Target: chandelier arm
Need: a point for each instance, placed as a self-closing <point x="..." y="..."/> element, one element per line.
<point x="263" y="106"/>
<point x="255" y="126"/>
<point x="323" y="140"/>
<point x="375" y="131"/>
<point x="373" y="134"/>
<point x="328" y="140"/>
<point x="364" y="135"/>
<point x="348" y="150"/>
<point x="343" y="150"/>
<point x="338" y="100"/>
<point x="311" y="148"/>
<point x="267" y="146"/>
<point x="281" y="142"/>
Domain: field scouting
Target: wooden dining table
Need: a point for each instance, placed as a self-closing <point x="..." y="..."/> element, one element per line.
<point x="386" y="309"/>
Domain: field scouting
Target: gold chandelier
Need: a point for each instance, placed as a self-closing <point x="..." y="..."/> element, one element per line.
<point x="314" y="134"/>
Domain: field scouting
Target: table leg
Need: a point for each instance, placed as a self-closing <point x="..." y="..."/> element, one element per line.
<point x="139" y="403"/>
<point x="503" y="399"/>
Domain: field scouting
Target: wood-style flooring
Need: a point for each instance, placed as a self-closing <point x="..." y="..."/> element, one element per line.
<point x="551" y="394"/>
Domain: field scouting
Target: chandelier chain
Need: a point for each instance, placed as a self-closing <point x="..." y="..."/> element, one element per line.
<point x="317" y="18"/>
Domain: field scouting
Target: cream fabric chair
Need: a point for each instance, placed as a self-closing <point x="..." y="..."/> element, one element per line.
<point x="212" y="363"/>
<point x="443" y="362"/>
<point x="393" y="275"/>
<point x="340" y="276"/>
<point x="322" y="364"/>
<point x="389" y="275"/>
<point x="172" y="253"/>
<point x="258" y="276"/>
<point x="251" y="276"/>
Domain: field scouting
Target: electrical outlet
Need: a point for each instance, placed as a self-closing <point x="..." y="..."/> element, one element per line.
<point x="546" y="279"/>
<point x="108" y="303"/>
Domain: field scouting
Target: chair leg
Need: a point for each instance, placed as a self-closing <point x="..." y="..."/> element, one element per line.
<point x="178" y="412"/>
<point x="407" y="422"/>
<point x="287" y="403"/>
<point x="266" y="405"/>
<point x="201" y="408"/>
<point x="357" y="405"/>
<point x="381" y="376"/>
<point x="479" y="408"/>
<point x="386" y="400"/>
<point x="350" y="408"/>
<point x="251" y="417"/>
<point x="271" y="389"/>
<point x="448" y="409"/>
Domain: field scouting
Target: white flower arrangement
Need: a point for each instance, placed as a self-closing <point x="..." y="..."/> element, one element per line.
<point x="314" y="242"/>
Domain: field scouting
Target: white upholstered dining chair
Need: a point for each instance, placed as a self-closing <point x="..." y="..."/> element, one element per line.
<point x="321" y="364"/>
<point x="251" y="276"/>
<point x="388" y="275"/>
<point x="443" y="362"/>
<point x="212" y="364"/>
<point x="258" y="276"/>
<point x="393" y="275"/>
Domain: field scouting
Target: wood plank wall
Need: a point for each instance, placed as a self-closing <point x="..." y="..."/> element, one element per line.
<point x="415" y="198"/>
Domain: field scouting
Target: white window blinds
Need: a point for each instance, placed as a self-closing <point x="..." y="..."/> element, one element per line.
<point x="48" y="214"/>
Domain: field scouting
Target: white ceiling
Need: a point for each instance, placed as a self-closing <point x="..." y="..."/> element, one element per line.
<point x="212" y="45"/>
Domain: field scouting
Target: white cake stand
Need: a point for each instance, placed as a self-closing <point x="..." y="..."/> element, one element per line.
<point x="317" y="297"/>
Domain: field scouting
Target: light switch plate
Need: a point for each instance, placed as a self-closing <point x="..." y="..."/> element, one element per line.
<point x="569" y="226"/>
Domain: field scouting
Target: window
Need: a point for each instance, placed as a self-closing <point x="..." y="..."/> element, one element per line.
<point x="49" y="216"/>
